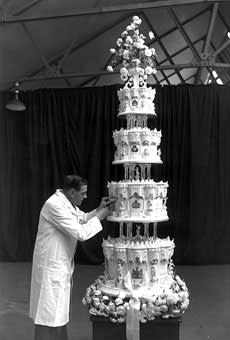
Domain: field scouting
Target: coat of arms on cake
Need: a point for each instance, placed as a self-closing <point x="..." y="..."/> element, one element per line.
<point x="138" y="264"/>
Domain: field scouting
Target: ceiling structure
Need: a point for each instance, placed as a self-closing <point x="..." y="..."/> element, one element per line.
<point x="56" y="43"/>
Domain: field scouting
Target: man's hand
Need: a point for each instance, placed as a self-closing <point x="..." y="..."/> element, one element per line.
<point x="105" y="202"/>
<point x="103" y="213"/>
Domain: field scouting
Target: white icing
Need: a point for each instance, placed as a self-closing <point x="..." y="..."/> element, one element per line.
<point x="137" y="267"/>
<point x="139" y="200"/>
<point x="137" y="144"/>
<point x="137" y="100"/>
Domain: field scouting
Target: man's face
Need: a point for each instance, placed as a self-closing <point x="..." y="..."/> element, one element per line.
<point x="79" y="196"/>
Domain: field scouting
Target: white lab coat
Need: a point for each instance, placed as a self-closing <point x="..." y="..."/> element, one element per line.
<point x="60" y="227"/>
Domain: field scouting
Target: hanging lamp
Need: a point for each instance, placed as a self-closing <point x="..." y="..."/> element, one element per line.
<point x="15" y="104"/>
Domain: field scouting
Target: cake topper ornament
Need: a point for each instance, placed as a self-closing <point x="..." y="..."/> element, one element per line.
<point x="132" y="51"/>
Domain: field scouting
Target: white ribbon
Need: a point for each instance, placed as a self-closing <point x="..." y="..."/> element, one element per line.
<point x="133" y="320"/>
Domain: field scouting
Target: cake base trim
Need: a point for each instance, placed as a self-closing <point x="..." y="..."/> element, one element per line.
<point x="137" y="219"/>
<point x="126" y="113"/>
<point x="138" y="161"/>
<point x="147" y="293"/>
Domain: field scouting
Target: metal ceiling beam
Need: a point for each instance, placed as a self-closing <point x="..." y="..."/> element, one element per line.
<point x="227" y="75"/>
<point x="56" y="58"/>
<point x="87" y="81"/>
<point x="3" y="4"/>
<point x="208" y="39"/>
<point x="158" y="40"/>
<point x="112" y="9"/>
<point x="223" y="59"/>
<point x="224" y="65"/>
<point x="186" y="37"/>
<point x="175" y="73"/>
<point x="96" y="78"/>
<point x="96" y="74"/>
<point x="212" y="55"/>
<point x="225" y="54"/>
<point x="184" y="34"/>
<point x="221" y="48"/>
<point x="192" y="65"/>
<point x="210" y="29"/>
<point x="66" y="79"/>
<point x="198" y="73"/>
<point x="156" y="79"/>
<point x="162" y="46"/>
<point x="182" y="50"/>
<point x="3" y="10"/>
<point x="171" y="74"/>
<point x="224" y="21"/>
<point x="84" y="42"/>
<point x="185" y="22"/>
<point x="51" y="69"/>
<point x="23" y="9"/>
<point x="163" y="74"/>
<point x="193" y="76"/>
<point x="159" y="37"/>
<point x="37" y="48"/>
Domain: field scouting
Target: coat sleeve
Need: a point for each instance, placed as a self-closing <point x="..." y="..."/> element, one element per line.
<point x="67" y="222"/>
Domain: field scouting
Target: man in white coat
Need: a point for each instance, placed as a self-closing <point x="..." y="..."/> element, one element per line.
<point x="61" y="225"/>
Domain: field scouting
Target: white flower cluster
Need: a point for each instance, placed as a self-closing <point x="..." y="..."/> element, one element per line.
<point x="171" y="303"/>
<point x="132" y="51"/>
<point x="102" y="305"/>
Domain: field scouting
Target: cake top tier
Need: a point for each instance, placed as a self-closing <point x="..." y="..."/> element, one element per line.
<point x="131" y="52"/>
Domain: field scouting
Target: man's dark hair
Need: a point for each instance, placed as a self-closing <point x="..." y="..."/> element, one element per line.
<point x="73" y="182"/>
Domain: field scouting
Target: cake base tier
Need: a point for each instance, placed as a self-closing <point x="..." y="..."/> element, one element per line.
<point x="136" y="219"/>
<point x="160" y="329"/>
<point x="145" y="293"/>
<point x="135" y="161"/>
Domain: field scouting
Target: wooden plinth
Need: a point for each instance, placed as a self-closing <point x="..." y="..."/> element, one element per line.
<point x="159" y="329"/>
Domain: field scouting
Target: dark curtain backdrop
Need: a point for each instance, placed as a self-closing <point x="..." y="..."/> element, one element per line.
<point x="70" y="131"/>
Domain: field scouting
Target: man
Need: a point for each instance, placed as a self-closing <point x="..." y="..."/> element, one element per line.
<point x="61" y="225"/>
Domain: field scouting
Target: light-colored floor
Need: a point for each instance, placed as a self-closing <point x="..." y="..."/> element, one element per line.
<point x="208" y="316"/>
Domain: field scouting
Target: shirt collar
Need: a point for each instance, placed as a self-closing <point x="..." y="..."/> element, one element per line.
<point x="62" y="196"/>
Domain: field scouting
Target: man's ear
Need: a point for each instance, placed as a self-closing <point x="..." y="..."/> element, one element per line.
<point x="71" y="192"/>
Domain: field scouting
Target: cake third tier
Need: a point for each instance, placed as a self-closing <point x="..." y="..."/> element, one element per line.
<point x="138" y="201"/>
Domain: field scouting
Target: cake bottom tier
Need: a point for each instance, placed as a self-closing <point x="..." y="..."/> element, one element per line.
<point x="170" y="301"/>
<point x="150" y="292"/>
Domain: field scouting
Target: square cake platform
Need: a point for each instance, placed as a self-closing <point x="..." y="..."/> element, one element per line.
<point x="158" y="329"/>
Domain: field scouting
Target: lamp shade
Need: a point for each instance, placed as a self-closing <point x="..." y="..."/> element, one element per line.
<point x="15" y="104"/>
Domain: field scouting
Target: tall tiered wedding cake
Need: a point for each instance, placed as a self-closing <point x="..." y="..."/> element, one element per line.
<point x="138" y="265"/>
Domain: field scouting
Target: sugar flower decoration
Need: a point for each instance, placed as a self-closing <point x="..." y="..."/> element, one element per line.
<point x="172" y="302"/>
<point x="131" y="51"/>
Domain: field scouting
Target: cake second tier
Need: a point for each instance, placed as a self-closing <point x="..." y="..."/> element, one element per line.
<point x="140" y="145"/>
<point x="138" y="200"/>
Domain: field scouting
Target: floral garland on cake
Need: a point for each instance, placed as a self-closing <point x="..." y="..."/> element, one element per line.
<point x="170" y="304"/>
<point x="131" y="51"/>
